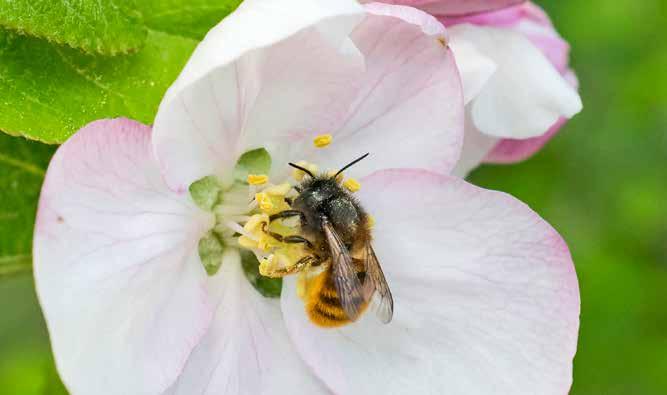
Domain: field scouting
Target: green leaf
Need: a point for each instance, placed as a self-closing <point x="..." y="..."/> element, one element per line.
<point x="257" y="161"/>
<point x="268" y="287"/>
<point x="49" y="92"/>
<point x="102" y="26"/>
<point x="185" y="18"/>
<point x="22" y="167"/>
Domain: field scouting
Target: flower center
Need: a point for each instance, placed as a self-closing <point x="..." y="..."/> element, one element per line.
<point x="247" y="218"/>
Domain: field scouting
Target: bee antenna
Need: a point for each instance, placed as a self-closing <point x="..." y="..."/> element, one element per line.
<point x="303" y="169"/>
<point x="354" y="162"/>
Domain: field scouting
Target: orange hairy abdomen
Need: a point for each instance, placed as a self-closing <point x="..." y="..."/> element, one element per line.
<point x="323" y="304"/>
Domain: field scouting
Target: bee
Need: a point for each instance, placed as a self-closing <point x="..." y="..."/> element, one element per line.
<point x="336" y="232"/>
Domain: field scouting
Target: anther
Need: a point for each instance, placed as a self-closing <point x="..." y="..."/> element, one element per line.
<point x="370" y="221"/>
<point x="278" y="190"/>
<point x="352" y="185"/>
<point x="257" y="179"/>
<point x="264" y="201"/>
<point x="300" y="174"/>
<point x="322" y="140"/>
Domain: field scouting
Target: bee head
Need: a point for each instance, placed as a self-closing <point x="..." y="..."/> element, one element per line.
<point x="354" y="162"/>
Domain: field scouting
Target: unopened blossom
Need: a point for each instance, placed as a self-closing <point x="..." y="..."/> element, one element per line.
<point x="142" y="233"/>
<point x="519" y="89"/>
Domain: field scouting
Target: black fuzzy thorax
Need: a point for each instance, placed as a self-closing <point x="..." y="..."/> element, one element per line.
<point x="322" y="197"/>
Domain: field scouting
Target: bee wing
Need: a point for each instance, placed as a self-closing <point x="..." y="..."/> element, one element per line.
<point x="376" y="282"/>
<point x="345" y="278"/>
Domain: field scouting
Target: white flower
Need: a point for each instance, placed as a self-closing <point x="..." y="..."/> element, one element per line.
<point x="486" y="298"/>
<point x="519" y="89"/>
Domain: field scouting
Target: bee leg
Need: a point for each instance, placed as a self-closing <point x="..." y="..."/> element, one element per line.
<point x="317" y="261"/>
<point x="297" y="239"/>
<point x="293" y="239"/>
<point x="288" y="214"/>
<point x="289" y="201"/>
<point x="295" y="268"/>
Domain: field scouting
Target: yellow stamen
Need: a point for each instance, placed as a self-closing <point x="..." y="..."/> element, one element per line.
<point x="266" y="266"/>
<point x="265" y="242"/>
<point x="282" y="262"/>
<point x="264" y="201"/>
<point x="371" y="221"/>
<point x="299" y="174"/>
<point x="256" y="223"/>
<point x="302" y="285"/>
<point x="278" y="190"/>
<point x="257" y="179"/>
<point x="352" y="185"/>
<point x="254" y="226"/>
<point x="322" y="140"/>
<point x="442" y="40"/>
<point x="247" y="242"/>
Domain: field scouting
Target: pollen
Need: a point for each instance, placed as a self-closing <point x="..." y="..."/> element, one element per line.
<point x="264" y="201"/>
<point x="370" y="221"/>
<point x="352" y="185"/>
<point x="279" y="190"/>
<point x="322" y="140"/>
<point x="257" y="179"/>
<point x="266" y="265"/>
<point x="247" y="242"/>
<point x="282" y="261"/>
<point x="299" y="174"/>
<point x="302" y="285"/>
<point x="256" y="222"/>
<point x="255" y="238"/>
<point x="442" y="40"/>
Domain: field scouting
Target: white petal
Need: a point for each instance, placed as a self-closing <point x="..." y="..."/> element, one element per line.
<point x="246" y="350"/>
<point x="486" y="298"/>
<point x="475" y="69"/>
<point x="476" y="147"/>
<point x="369" y="93"/>
<point x="407" y="111"/>
<point x="526" y="95"/>
<point x="255" y="74"/>
<point x="116" y="264"/>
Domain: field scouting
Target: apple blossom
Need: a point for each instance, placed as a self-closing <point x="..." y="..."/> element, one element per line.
<point x="141" y="233"/>
<point x="519" y="90"/>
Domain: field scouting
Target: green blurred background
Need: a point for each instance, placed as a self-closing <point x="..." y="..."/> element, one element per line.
<point x="602" y="183"/>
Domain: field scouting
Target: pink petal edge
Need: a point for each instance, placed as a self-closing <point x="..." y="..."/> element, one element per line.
<point x="124" y="304"/>
<point x="486" y="297"/>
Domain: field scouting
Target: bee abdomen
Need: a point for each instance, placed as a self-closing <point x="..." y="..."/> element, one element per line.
<point x="323" y="304"/>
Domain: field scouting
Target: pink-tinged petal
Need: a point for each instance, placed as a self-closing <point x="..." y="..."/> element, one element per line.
<point x="526" y="95"/>
<point x="246" y="350"/>
<point x="407" y="110"/>
<point x="475" y="68"/>
<point x="486" y="297"/>
<point x="276" y="80"/>
<point x="116" y="264"/>
<point x="533" y="23"/>
<point x="454" y="7"/>
<point x="529" y="20"/>
<point x="367" y="82"/>
<point x="476" y="148"/>
<point x="512" y="150"/>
